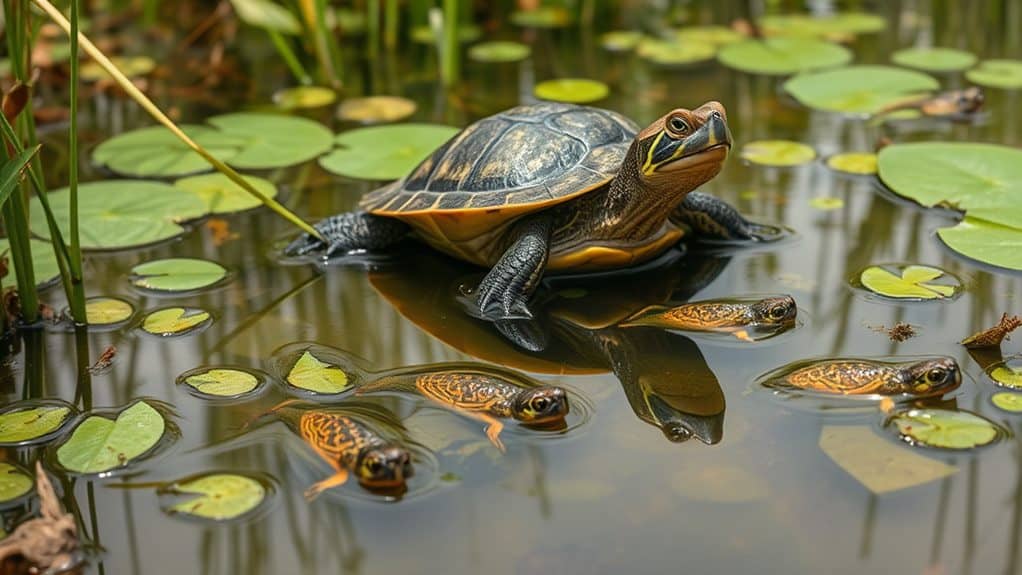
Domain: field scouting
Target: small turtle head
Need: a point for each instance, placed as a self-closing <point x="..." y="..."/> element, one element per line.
<point x="384" y="466"/>
<point x="540" y="405"/>
<point x="693" y="142"/>
<point x="933" y="377"/>
<point x="775" y="310"/>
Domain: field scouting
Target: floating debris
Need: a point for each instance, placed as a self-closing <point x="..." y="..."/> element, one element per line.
<point x="899" y="332"/>
<point x="49" y="542"/>
<point x="105" y="360"/>
<point x="993" y="336"/>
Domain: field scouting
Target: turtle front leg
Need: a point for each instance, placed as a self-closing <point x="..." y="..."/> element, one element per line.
<point x="338" y="478"/>
<point x="713" y="218"/>
<point x="505" y="291"/>
<point x="350" y="232"/>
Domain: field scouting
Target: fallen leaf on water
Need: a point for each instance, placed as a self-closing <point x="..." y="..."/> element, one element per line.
<point x="876" y="463"/>
<point x="993" y="336"/>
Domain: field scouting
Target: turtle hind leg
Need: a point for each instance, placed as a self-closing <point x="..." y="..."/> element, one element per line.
<point x="713" y="218"/>
<point x="350" y="232"/>
<point x="339" y="478"/>
<point x="506" y="290"/>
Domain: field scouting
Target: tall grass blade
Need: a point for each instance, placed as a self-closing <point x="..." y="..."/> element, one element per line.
<point x="12" y="171"/>
<point x="76" y="299"/>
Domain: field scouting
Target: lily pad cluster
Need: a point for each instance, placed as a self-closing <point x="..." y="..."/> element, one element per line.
<point x="384" y="152"/>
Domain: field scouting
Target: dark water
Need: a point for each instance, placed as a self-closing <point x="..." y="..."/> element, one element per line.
<point x="612" y="495"/>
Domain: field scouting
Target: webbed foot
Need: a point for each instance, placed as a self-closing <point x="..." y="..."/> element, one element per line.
<point x="349" y="232"/>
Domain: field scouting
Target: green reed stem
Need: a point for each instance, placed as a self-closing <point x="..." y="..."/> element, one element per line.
<point x="391" y="21"/>
<point x="373" y="24"/>
<point x="21" y="254"/>
<point x="76" y="299"/>
<point x="449" y="57"/>
<point x="283" y="47"/>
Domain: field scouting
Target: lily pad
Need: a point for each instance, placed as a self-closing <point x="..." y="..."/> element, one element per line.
<point x="375" y="109"/>
<point x="713" y="35"/>
<point x="100" y="444"/>
<point x="934" y="59"/>
<point x="1007" y="401"/>
<point x="14" y="482"/>
<point x="268" y="15"/>
<point x="177" y="274"/>
<point x="912" y="282"/>
<point x="311" y="374"/>
<point x="173" y="321"/>
<point x="986" y="242"/>
<point x="499" y="51"/>
<point x="859" y="89"/>
<point x="573" y="90"/>
<point x="426" y="35"/>
<point x="223" y="196"/>
<point x="782" y="55"/>
<point x="22" y="424"/>
<point x="944" y="428"/>
<point x="620" y="40"/>
<point x="856" y="163"/>
<point x="675" y="53"/>
<point x="542" y="17"/>
<point x="304" y="97"/>
<point x="877" y="464"/>
<point x="1007" y="375"/>
<point x="841" y="25"/>
<point x="221" y="382"/>
<point x="119" y="214"/>
<point x="1005" y="74"/>
<point x="155" y="152"/>
<point x="385" y="152"/>
<point x="782" y="153"/>
<point x="104" y="311"/>
<point x="270" y="141"/>
<point x="220" y="496"/>
<point x="826" y="203"/>
<point x="44" y="263"/>
<point x="130" y="66"/>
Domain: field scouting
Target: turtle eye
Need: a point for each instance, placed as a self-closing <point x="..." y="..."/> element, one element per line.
<point x="678" y="125"/>
<point x="540" y="403"/>
<point x="936" y="374"/>
<point x="374" y="466"/>
<point x="777" y="312"/>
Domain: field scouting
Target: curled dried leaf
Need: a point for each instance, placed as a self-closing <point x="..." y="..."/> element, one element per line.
<point x="992" y="337"/>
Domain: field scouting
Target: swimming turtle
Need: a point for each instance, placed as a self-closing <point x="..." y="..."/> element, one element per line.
<point x="926" y="378"/>
<point x="733" y="316"/>
<point x="956" y="104"/>
<point x="549" y="188"/>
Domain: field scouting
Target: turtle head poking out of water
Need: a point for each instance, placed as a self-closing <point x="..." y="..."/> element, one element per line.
<point x="540" y="405"/>
<point x="932" y="377"/>
<point x="774" y="310"/>
<point x="384" y="466"/>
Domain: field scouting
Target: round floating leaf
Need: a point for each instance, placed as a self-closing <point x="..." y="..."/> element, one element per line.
<point x="542" y="17"/>
<point x="1011" y="402"/>
<point x="130" y="66"/>
<point x="426" y="35"/>
<point x="14" y="482"/>
<point x="1006" y="74"/>
<point x="620" y="40"/>
<point x="99" y="444"/>
<point x="859" y="89"/>
<point x="316" y="376"/>
<point x="838" y="26"/>
<point x="101" y="311"/>
<point x="1007" y="376"/>
<point x="675" y="53"/>
<point x="223" y="196"/>
<point x="714" y="35"/>
<point x="858" y="163"/>
<point x="177" y="274"/>
<point x="22" y="424"/>
<point x="44" y="262"/>
<point x="826" y="203"/>
<point x="268" y="15"/>
<point x="221" y="496"/>
<point x="499" y="52"/>
<point x="222" y="382"/>
<point x="573" y="90"/>
<point x="304" y="97"/>
<point x="119" y="214"/>
<point x="945" y="428"/>
<point x="782" y="55"/>
<point x="156" y="152"/>
<point x="913" y="283"/>
<point x="777" y="153"/>
<point x="986" y="242"/>
<point x="385" y="152"/>
<point x="174" y="321"/>
<point x="934" y="59"/>
<point x="375" y="109"/>
<point x="273" y="141"/>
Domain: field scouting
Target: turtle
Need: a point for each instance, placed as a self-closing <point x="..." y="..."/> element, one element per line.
<point x="480" y="393"/>
<point x="955" y="104"/>
<point x="855" y="376"/>
<point x="724" y="315"/>
<point x="549" y="188"/>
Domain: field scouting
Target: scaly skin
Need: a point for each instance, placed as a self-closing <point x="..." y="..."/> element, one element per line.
<point x="719" y="315"/>
<point x="864" y="377"/>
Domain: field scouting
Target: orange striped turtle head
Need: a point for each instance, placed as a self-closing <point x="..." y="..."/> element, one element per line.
<point x="384" y="466"/>
<point x="932" y="377"/>
<point x="775" y="310"/>
<point x="543" y="404"/>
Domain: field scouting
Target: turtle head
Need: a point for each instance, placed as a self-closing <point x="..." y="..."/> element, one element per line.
<point x="779" y="310"/>
<point x="687" y="146"/>
<point x="540" y="405"/>
<point x="933" y="377"/>
<point x="384" y="466"/>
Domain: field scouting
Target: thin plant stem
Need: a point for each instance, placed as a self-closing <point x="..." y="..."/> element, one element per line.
<point x="449" y="67"/>
<point x="391" y="16"/>
<point x="293" y="64"/>
<point x="373" y="17"/>
<point x="76" y="299"/>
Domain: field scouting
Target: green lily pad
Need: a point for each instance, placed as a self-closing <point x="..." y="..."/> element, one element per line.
<point x="376" y="109"/>
<point x="316" y="376"/>
<point x="675" y="53"/>
<point x="14" y="482"/>
<point x="174" y="321"/>
<point x="270" y="141"/>
<point x="856" y="163"/>
<point x="155" y="152"/>
<point x="177" y="274"/>
<point x="542" y="17"/>
<point x="385" y="152"/>
<point x="782" y="55"/>
<point x="944" y="428"/>
<point x="221" y="382"/>
<point x="782" y="153"/>
<point x="838" y="26"/>
<point x="713" y="35"/>
<point x="500" y="51"/>
<point x="620" y="40"/>
<point x="220" y="496"/>
<point x="466" y="33"/>
<point x="1005" y="74"/>
<point x="934" y="59"/>
<point x="222" y="196"/>
<point x="913" y="283"/>
<point x="877" y="464"/>
<point x="573" y="90"/>
<point x="130" y="66"/>
<point x="100" y="444"/>
<point x="1007" y="401"/>
<point x="44" y="262"/>
<point x="268" y="15"/>
<point x="20" y="424"/>
<point x="119" y="214"/>
<point x="859" y="89"/>
<point x="102" y="311"/>
<point x="984" y="241"/>
<point x="1007" y="375"/>
<point x="826" y="203"/>
<point x="304" y="97"/>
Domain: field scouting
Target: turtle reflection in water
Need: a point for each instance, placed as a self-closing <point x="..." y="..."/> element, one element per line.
<point x="350" y="446"/>
<point x="926" y="378"/>
<point x="770" y="315"/>
<point x="484" y="395"/>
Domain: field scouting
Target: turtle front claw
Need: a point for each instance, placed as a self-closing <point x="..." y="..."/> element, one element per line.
<point x="303" y="245"/>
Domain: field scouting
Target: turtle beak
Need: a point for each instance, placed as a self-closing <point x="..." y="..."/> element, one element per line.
<point x="714" y="133"/>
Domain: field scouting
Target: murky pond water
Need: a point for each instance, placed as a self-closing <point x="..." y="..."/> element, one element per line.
<point x="752" y="492"/>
